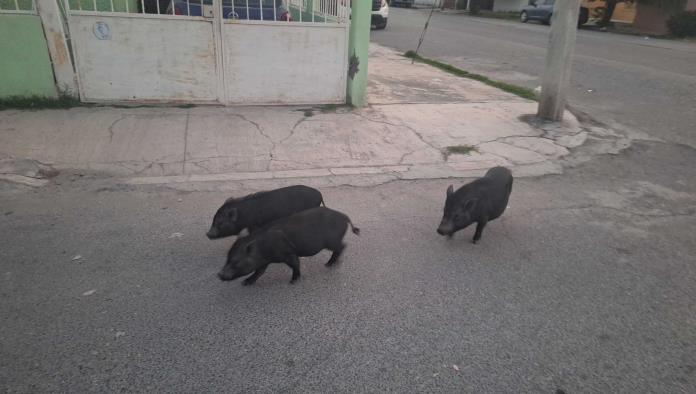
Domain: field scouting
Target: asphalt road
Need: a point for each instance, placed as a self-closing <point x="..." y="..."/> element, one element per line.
<point x="587" y="284"/>
<point x="648" y="85"/>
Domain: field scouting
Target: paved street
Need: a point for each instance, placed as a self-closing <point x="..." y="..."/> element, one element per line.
<point x="587" y="284"/>
<point x="647" y="85"/>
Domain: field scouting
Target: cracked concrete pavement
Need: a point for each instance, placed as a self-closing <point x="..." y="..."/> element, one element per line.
<point x="416" y="112"/>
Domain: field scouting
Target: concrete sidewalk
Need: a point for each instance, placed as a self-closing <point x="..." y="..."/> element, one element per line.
<point x="416" y="112"/>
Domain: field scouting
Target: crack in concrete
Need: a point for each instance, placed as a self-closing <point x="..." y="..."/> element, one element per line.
<point x="275" y="145"/>
<point x="499" y="139"/>
<point x="510" y="160"/>
<point x="123" y="165"/>
<point x="417" y="134"/>
<point x="296" y="124"/>
<point x="264" y="135"/>
<point x="111" y="127"/>
<point x="244" y="118"/>
<point x="147" y="167"/>
<point x="554" y="140"/>
<point x="403" y="157"/>
<point x="201" y="166"/>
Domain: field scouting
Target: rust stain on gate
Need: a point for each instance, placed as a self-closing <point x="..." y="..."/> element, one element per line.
<point x="60" y="52"/>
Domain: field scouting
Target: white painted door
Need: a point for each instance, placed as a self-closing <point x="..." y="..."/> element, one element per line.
<point x="289" y="64"/>
<point x="180" y="51"/>
<point x="144" y="57"/>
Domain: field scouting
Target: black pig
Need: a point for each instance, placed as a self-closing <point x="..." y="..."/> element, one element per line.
<point x="258" y="209"/>
<point x="286" y="240"/>
<point x="480" y="201"/>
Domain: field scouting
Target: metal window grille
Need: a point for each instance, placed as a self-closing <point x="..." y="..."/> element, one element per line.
<point x="17" y="7"/>
<point x="308" y="11"/>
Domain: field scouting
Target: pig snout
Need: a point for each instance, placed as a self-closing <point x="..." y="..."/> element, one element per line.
<point x="445" y="228"/>
<point x="212" y="233"/>
<point x="227" y="276"/>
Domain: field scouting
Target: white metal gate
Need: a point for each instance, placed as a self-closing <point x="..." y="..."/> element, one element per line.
<point x="207" y="51"/>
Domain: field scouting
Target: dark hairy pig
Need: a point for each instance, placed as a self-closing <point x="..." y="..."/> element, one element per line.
<point x="257" y="210"/>
<point x="478" y="202"/>
<point x="284" y="241"/>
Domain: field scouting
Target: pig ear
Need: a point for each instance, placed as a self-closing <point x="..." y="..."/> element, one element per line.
<point x="232" y="214"/>
<point x="471" y="204"/>
<point x="450" y="190"/>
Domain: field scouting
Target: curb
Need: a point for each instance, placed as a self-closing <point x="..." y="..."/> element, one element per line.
<point x="401" y="172"/>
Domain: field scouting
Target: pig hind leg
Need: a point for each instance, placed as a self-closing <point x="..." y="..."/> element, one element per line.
<point x="337" y="250"/>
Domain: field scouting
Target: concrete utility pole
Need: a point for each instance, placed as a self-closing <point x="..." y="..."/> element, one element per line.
<point x="559" y="56"/>
<point x="358" y="46"/>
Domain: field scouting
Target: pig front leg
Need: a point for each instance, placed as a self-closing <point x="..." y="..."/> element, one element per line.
<point x="250" y="280"/>
<point x="294" y="262"/>
<point x="479" y="229"/>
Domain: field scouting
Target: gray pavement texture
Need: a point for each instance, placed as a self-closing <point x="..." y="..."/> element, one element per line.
<point x="586" y="284"/>
<point x="645" y="85"/>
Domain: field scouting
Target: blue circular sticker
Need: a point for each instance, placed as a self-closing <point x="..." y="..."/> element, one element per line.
<point x="102" y="31"/>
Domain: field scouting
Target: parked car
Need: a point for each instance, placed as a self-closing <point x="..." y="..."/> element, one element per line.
<point x="542" y="10"/>
<point x="380" y="13"/>
<point x="235" y="9"/>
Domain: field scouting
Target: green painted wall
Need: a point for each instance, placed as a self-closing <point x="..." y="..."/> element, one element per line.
<point x="25" y="67"/>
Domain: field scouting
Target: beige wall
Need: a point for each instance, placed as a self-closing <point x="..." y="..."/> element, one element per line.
<point x="651" y="20"/>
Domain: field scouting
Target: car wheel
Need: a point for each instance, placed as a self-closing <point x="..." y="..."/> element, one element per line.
<point x="523" y="17"/>
<point x="382" y="25"/>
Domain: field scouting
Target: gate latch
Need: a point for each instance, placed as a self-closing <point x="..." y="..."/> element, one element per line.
<point x="207" y="10"/>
